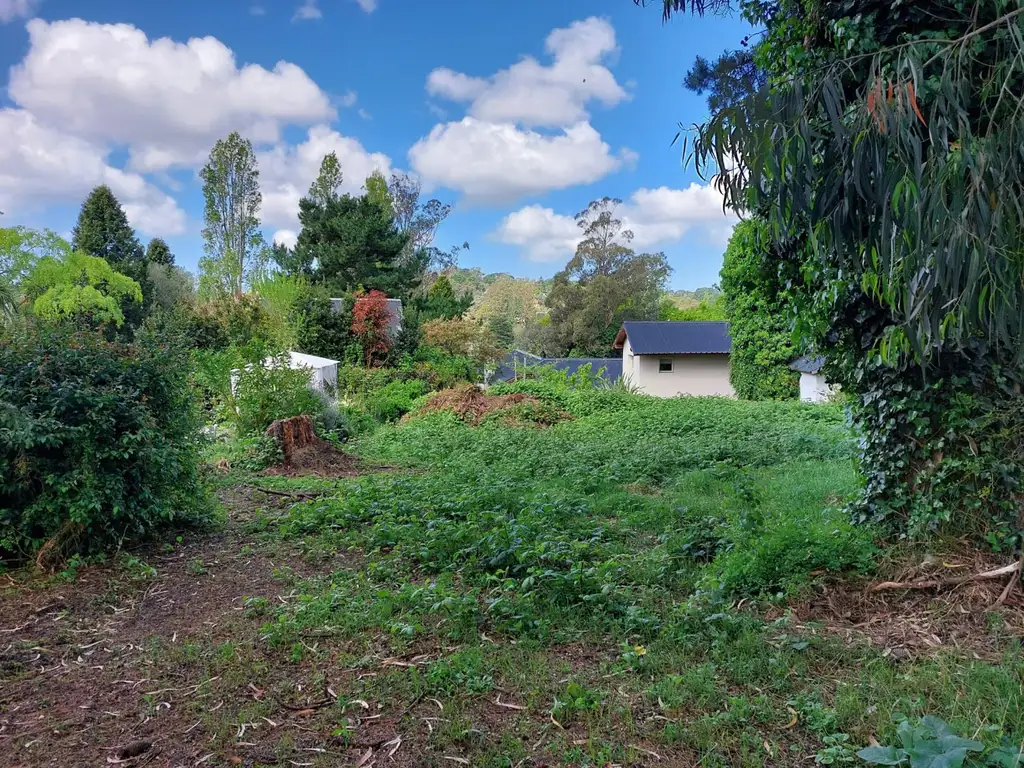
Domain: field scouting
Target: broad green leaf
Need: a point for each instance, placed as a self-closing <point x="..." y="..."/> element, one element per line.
<point x="882" y="755"/>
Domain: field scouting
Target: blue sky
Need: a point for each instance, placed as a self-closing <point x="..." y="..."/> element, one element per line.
<point x="519" y="114"/>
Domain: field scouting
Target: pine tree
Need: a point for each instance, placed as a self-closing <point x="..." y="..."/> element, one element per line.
<point x="158" y="252"/>
<point x="103" y="230"/>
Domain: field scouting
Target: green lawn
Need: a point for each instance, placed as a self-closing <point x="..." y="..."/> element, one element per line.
<point x="645" y="583"/>
<point x="590" y="572"/>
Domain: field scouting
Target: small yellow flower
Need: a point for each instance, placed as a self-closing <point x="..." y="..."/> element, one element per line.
<point x="639" y="650"/>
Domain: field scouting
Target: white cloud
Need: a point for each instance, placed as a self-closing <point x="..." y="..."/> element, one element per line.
<point x="166" y="101"/>
<point x="495" y="153"/>
<point x="664" y="215"/>
<point x="656" y="217"/>
<point x="367" y="5"/>
<point x="498" y="162"/>
<point x="348" y="98"/>
<point x="17" y="9"/>
<point x="40" y="166"/>
<point x="543" y="234"/>
<point x="308" y="11"/>
<point x="533" y="94"/>
<point x="286" y="237"/>
<point x="287" y="171"/>
<point x="257" y="10"/>
<point x="364" y="114"/>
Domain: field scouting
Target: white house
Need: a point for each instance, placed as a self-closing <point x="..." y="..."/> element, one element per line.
<point x="814" y="387"/>
<point x="666" y="359"/>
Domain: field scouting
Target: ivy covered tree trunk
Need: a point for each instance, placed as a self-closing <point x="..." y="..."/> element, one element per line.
<point x="942" y="449"/>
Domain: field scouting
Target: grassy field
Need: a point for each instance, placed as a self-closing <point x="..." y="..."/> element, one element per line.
<point x="646" y="582"/>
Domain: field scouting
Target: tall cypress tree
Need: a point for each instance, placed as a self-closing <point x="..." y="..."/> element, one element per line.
<point x="103" y="230"/>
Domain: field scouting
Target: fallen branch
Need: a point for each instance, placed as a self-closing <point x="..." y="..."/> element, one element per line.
<point x="955" y="582"/>
<point x="1011" y="583"/>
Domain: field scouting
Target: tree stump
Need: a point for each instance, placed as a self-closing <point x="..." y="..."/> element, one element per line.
<point x="292" y="435"/>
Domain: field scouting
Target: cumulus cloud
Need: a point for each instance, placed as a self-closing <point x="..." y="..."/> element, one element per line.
<point x="534" y="94"/>
<point x="498" y="162"/>
<point x="166" y="101"/>
<point x="542" y="234"/>
<point x="286" y="171"/>
<point x="16" y="9"/>
<point x="367" y="5"/>
<point x="656" y="217"/>
<point x="527" y="130"/>
<point x="40" y="166"/>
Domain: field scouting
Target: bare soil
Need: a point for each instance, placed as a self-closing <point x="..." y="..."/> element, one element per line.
<point x="967" y="619"/>
<point x="91" y="667"/>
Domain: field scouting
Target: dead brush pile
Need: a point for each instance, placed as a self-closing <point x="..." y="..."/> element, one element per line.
<point x="475" y="407"/>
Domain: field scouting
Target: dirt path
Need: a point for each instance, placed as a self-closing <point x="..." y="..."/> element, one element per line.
<point x="123" y="655"/>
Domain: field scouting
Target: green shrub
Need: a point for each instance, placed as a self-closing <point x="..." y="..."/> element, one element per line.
<point x="93" y="433"/>
<point x="226" y="321"/>
<point x="319" y="328"/>
<point x="355" y="380"/>
<point x="211" y="375"/>
<point x="267" y="392"/>
<point x="395" y="399"/>
<point x="253" y="454"/>
<point x="439" y="369"/>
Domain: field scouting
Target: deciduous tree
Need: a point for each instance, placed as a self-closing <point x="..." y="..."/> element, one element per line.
<point x="80" y="286"/>
<point x="370" y="321"/>
<point x="235" y="251"/>
<point x="883" y="152"/>
<point x="419" y="221"/>
<point x="605" y="283"/>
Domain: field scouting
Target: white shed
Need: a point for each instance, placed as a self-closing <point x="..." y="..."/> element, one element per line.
<point x="814" y="387"/>
<point x="324" y="372"/>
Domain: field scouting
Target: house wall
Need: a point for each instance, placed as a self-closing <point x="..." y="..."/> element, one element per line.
<point x="814" y="388"/>
<point x="690" y="375"/>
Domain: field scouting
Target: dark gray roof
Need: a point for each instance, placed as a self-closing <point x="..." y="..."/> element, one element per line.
<point x="514" y="361"/>
<point x="807" y="364"/>
<point x="662" y="337"/>
<point x="517" y="361"/>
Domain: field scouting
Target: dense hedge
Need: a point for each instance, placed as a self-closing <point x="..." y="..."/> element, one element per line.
<point x="762" y="344"/>
<point x="97" y="438"/>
